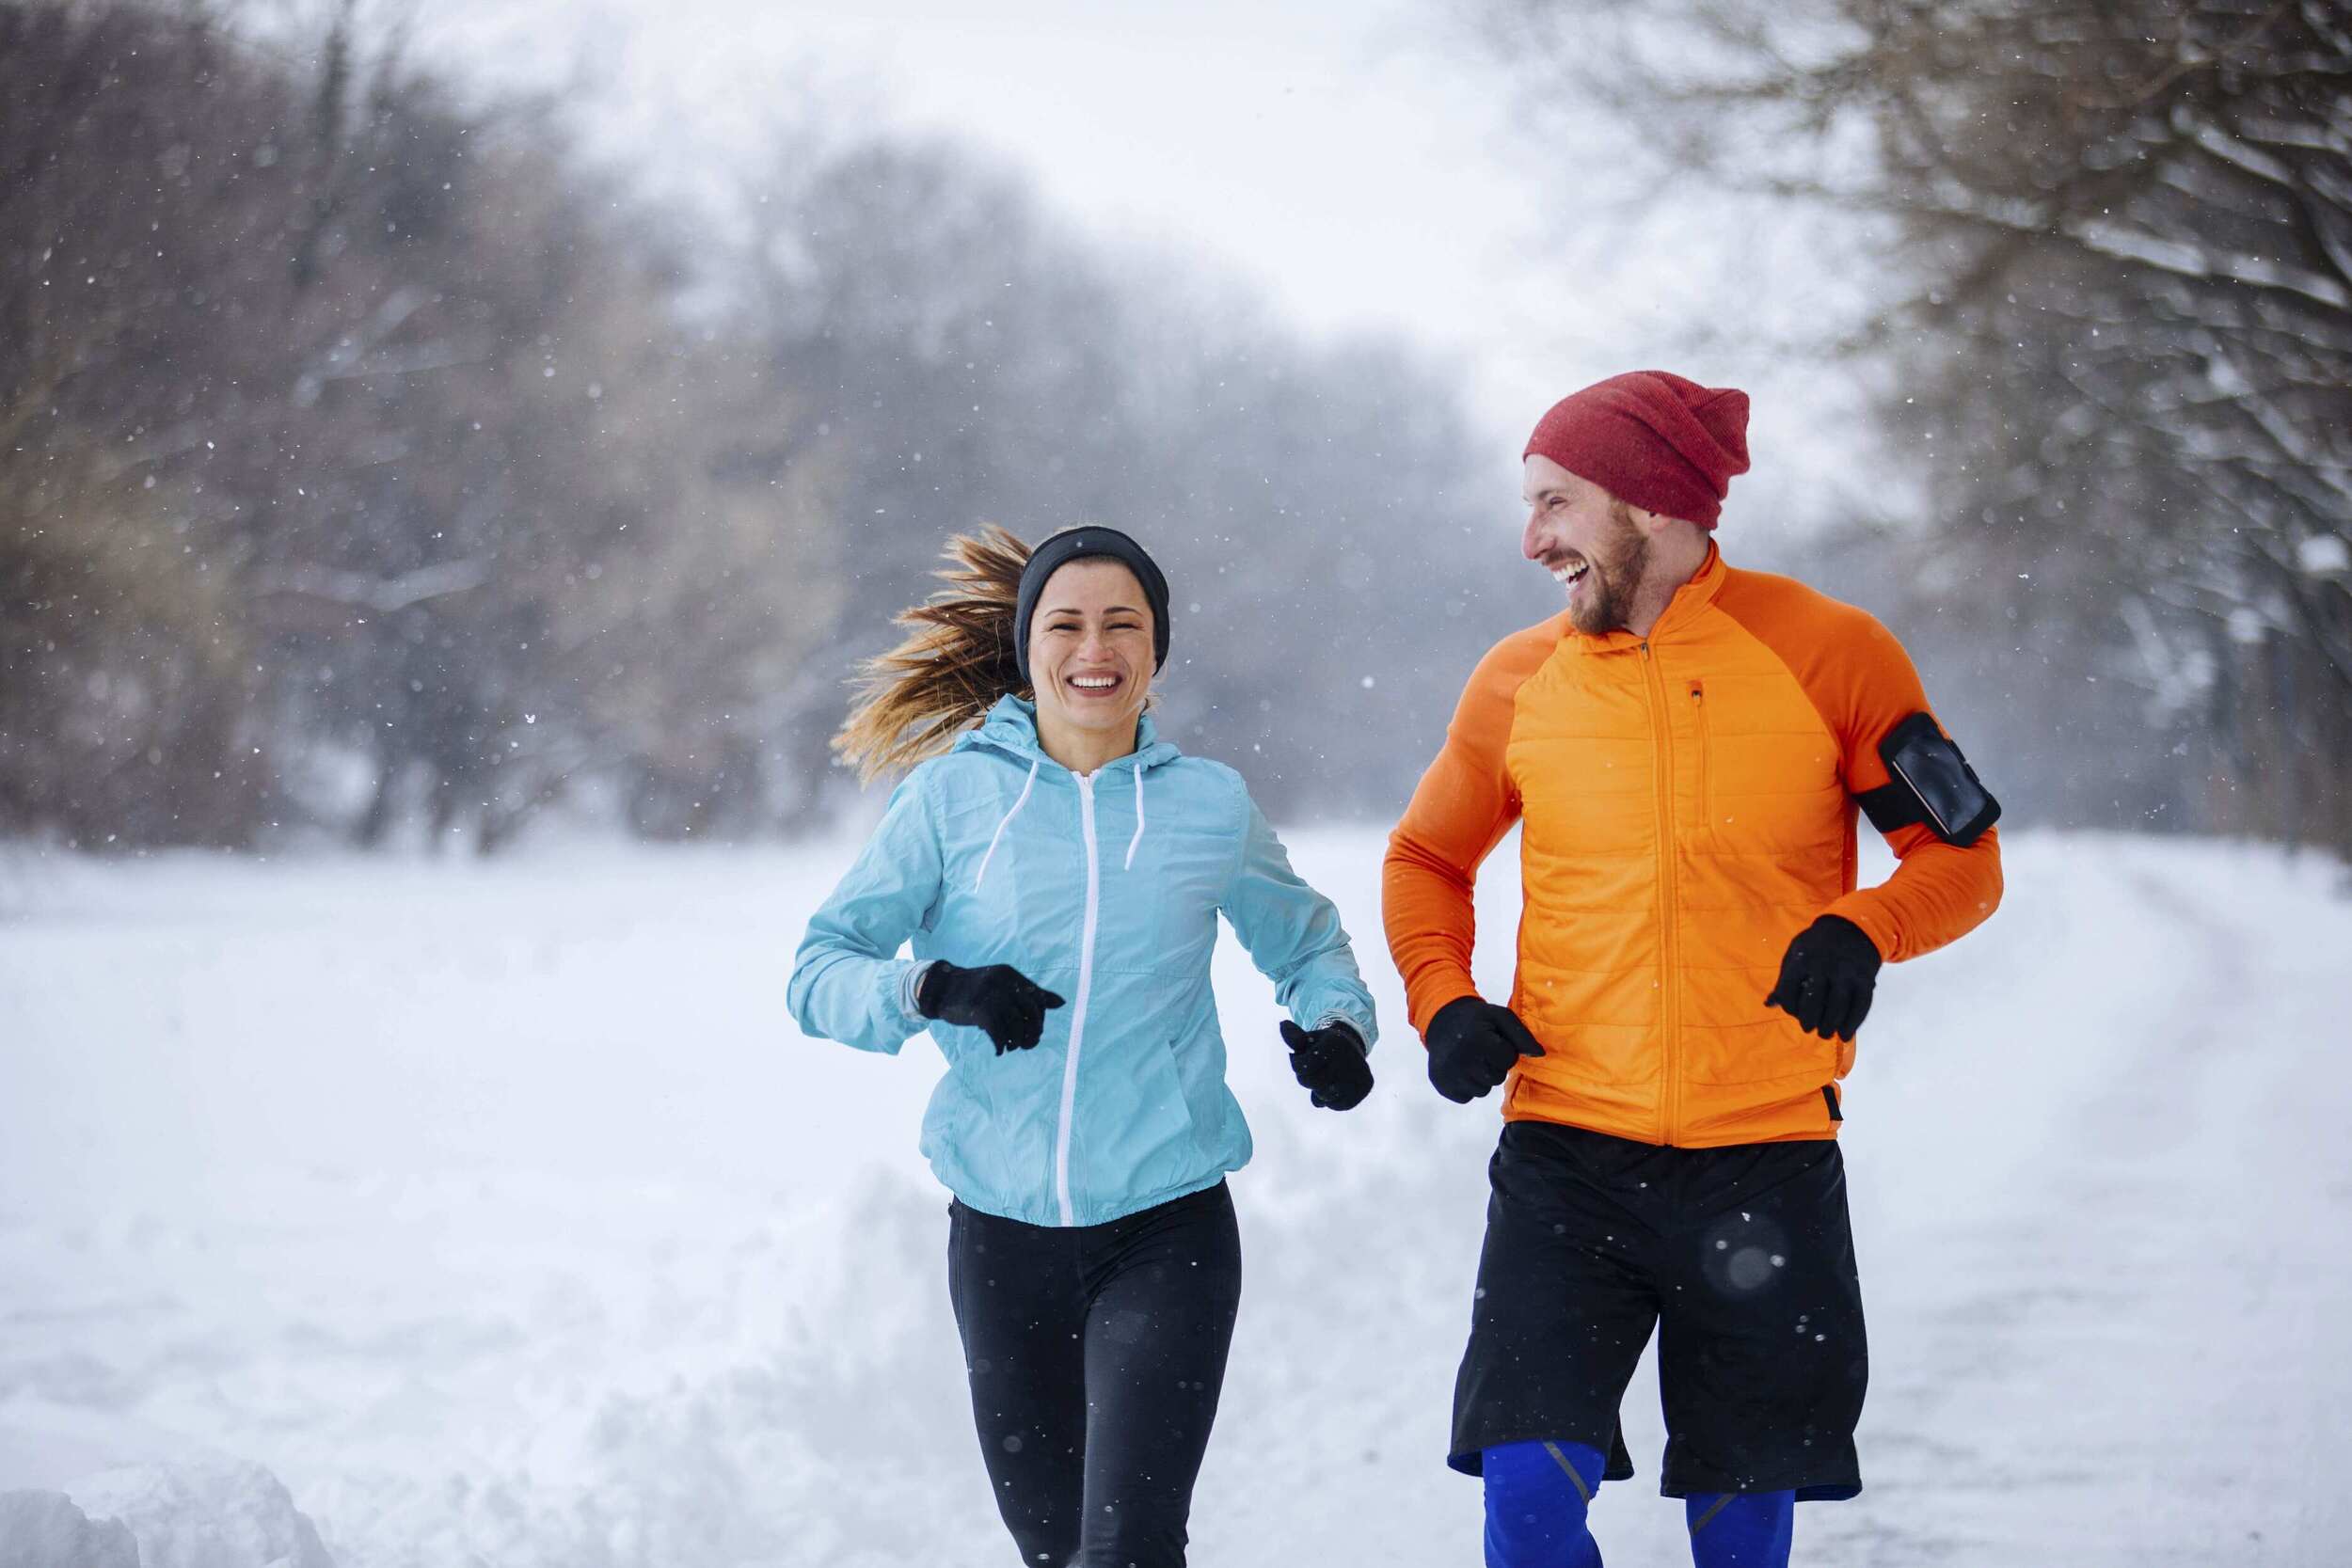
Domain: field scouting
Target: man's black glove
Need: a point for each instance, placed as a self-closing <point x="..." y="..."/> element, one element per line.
<point x="1471" y="1046"/>
<point x="1331" y="1062"/>
<point x="1826" y="979"/>
<point x="999" y="999"/>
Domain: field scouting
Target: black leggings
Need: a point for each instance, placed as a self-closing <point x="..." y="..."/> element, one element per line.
<point x="1096" y="1353"/>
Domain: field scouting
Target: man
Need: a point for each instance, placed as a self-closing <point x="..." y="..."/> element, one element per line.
<point x="1684" y="746"/>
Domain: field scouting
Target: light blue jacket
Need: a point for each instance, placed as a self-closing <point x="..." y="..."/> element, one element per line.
<point x="1105" y="890"/>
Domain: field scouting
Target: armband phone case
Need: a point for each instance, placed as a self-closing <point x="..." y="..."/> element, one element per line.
<point x="1930" y="766"/>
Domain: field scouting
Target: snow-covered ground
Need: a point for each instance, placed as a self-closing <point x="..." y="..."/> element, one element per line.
<point x="500" y="1213"/>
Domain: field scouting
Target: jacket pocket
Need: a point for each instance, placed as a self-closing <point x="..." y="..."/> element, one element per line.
<point x="1139" y="1125"/>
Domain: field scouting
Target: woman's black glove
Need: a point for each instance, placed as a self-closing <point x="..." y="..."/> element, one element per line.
<point x="1826" y="979"/>
<point x="1329" y="1062"/>
<point x="1472" y="1044"/>
<point x="999" y="999"/>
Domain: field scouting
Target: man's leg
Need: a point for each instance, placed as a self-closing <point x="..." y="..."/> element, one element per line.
<point x="1164" y="1291"/>
<point x="1741" y="1529"/>
<point x="1563" y="1306"/>
<point x="1537" y="1497"/>
<point x="1015" y="1291"/>
<point x="1562" y="1312"/>
<point x="1763" y="1359"/>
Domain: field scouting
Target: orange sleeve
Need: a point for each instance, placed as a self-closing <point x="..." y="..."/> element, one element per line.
<point x="1464" y="806"/>
<point x="1939" y="892"/>
<point x="1863" y="683"/>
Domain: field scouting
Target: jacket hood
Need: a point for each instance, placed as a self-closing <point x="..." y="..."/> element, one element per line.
<point x="1010" y="727"/>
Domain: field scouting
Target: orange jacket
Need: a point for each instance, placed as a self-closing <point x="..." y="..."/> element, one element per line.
<point x="1687" y="802"/>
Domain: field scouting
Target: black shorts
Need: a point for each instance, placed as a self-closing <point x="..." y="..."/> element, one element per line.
<point x="1742" y="1256"/>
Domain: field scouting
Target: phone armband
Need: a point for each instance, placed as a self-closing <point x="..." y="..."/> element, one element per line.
<point x="1929" y="782"/>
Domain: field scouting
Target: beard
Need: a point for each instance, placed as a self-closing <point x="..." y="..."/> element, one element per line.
<point x="1615" y="577"/>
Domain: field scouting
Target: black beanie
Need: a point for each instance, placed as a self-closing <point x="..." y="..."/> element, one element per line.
<point x="1076" y="545"/>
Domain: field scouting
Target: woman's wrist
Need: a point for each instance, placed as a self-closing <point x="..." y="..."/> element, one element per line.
<point x="1342" y="1021"/>
<point x="911" y="986"/>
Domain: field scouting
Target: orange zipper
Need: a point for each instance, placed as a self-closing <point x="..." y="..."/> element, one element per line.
<point x="1706" y="810"/>
<point x="1669" y="1009"/>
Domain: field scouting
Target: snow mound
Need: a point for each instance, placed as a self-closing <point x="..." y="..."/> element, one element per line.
<point x="44" y="1530"/>
<point x="204" y="1514"/>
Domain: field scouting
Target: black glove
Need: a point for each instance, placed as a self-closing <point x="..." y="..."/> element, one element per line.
<point x="999" y="999"/>
<point x="1472" y="1045"/>
<point x="1331" y="1062"/>
<point x="1826" y="979"/>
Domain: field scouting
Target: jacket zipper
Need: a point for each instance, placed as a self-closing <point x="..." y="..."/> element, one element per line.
<point x="1078" y="1005"/>
<point x="1669" y="1107"/>
<point x="1705" y="808"/>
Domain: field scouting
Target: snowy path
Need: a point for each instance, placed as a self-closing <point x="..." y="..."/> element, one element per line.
<point x="502" y="1217"/>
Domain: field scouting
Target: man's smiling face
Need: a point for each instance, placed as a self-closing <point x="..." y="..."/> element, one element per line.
<point x="1586" y="539"/>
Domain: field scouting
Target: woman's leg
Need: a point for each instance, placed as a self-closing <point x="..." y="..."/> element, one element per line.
<point x="1165" y="1288"/>
<point x="1019" y="1310"/>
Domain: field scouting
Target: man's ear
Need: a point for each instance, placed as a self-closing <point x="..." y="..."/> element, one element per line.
<point x="1653" y="524"/>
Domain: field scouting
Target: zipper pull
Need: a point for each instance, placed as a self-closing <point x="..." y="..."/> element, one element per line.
<point x="1698" y="693"/>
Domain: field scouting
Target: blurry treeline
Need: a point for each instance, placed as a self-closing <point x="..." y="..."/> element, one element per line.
<point x="2115" y="326"/>
<point x="370" y="465"/>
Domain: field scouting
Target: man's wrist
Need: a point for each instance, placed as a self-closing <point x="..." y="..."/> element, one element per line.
<point x="1848" y="931"/>
<point x="1453" y="1004"/>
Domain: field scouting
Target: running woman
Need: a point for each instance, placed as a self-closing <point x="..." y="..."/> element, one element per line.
<point x="1060" y="868"/>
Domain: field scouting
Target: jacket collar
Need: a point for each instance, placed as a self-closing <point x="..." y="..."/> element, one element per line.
<point x="1010" y="727"/>
<point x="1688" y="603"/>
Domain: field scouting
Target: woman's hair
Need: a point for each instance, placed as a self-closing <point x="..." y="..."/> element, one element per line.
<point x="955" y="662"/>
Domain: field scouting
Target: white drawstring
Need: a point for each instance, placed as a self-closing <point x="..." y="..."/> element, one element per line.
<point x="1022" y="800"/>
<point x="1130" y="865"/>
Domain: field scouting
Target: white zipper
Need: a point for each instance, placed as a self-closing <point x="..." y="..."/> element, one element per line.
<point x="1078" y="1008"/>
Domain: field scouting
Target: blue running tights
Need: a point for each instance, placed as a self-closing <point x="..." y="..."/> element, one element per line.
<point x="1537" y="1494"/>
<point x="1741" y="1529"/>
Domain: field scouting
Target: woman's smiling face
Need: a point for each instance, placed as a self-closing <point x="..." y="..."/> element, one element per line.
<point x="1090" y="654"/>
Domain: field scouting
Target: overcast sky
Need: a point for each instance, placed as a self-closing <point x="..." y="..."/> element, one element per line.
<point x="1358" y="164"/>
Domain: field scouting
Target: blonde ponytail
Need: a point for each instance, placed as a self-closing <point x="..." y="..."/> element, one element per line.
<point x="955" y="662"/>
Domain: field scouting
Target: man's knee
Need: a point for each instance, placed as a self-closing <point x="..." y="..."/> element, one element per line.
<point x="1741" y="1529"/>
<point x="1537" y="1496"/>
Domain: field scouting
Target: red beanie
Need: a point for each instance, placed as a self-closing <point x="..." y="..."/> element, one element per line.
<point x="1664" y="444"/>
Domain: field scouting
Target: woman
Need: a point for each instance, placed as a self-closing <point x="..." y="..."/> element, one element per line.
<point x="1059" y="870"/>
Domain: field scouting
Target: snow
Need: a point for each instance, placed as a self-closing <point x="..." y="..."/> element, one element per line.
<point x="215" y="1513"/>
<point x="499" y="1213"/>
<point x="44" y="1530"/>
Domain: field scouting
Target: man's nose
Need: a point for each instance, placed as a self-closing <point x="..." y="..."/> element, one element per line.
<point x="1530" y="544"/>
